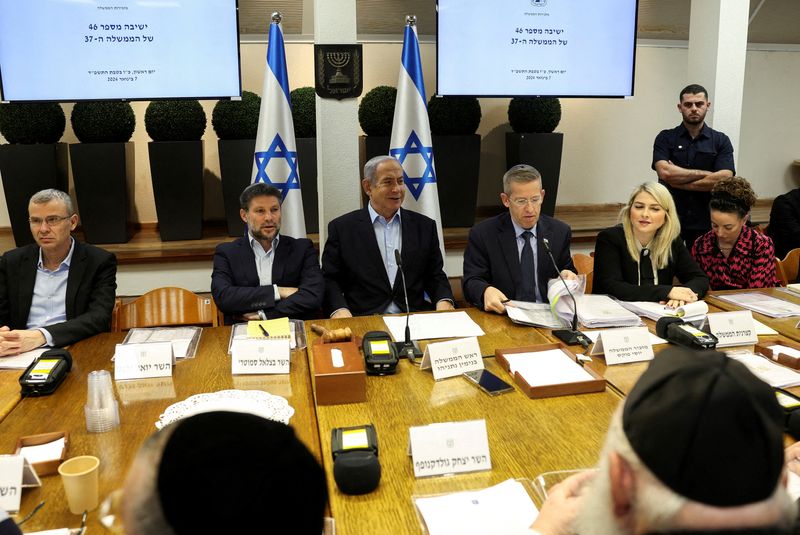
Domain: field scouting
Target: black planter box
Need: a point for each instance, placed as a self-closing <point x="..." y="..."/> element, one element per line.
<point x="27" y="169"/>
<point x="176" y="168"/>
<point x="307" y="165"/>
<point x="103" y="174"/>
<point x="236" y="168"/>
<point x="457" y="160"/>
<point x="543" y="151"/>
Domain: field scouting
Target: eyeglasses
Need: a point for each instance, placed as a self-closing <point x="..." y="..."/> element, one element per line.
<point x="523" y="202"/>
<point x="51" y="220"/>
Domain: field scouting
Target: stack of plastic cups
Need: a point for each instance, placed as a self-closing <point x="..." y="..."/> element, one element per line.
<point x="101" y="410"/>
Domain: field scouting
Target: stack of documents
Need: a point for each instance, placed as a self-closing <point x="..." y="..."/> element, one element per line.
<point x="276" y="328"/>
<point x="543" y="368"/>
<point x="597" y="311"/>
<point x="794" y="287"/>
<point x="533" y="314"/>
<point x="440" y="325"/>
<point x="184" y="339"/>
<point x="762" y="303"/>
<point x="775" y="375"/>
<point x="655" y="311"/>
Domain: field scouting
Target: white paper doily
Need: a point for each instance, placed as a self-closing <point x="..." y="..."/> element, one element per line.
<point x="255" y="402"/>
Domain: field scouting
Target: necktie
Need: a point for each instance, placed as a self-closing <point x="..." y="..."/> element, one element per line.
<point x="646" y="269"/>
<point x="528" y="287"/>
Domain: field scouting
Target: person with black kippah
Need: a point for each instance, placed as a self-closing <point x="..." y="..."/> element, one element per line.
<point x="697" y="447"/>
<point x="224" y="472"/>
<point x="733" y="255"/>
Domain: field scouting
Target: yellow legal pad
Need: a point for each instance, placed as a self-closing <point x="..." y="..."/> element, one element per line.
<point x="277" y="328"/>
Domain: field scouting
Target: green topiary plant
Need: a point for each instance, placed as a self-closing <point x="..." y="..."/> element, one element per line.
<point x="376" y="111"/>
<point x="454" y="116"/>
<point x="175" y="120"/>
<point x="32" y="122"/>
<point x="534" y="114"/>
<point x="237" y="119"/>
<point x="103" y="121"/>
<point x="304" y="106"/>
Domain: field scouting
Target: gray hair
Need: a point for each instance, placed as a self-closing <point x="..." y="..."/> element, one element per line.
<point x="371" y="167"/>
<point x="142" y="511"/>
<point x="521" y="174"/>
<point x="47" y="195"/>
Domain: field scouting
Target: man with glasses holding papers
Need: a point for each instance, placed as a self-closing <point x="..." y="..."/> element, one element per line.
<point x="57" y="291"/>
<point x="507" y="256"/>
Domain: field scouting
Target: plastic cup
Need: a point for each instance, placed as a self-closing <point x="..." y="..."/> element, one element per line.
<point x="80" y="476"/>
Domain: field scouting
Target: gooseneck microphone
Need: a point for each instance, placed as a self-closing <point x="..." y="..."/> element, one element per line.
<point x="405" y="348"/>
<point x="568" y="336"/>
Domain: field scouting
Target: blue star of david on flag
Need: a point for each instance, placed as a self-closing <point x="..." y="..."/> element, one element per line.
<point x="416" y="184"/>
<point x="277" y="149"/>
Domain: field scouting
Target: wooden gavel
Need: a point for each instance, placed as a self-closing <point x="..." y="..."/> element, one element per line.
<point x="336" y="335"/>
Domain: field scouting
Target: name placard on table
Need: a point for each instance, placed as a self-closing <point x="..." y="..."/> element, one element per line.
<point x="452" y="357"/>
<point x="143" y="361"/>
<point x="260" y="356"/>
<point x="449" y="448"/>
<point x="733" y="328"/>
<point x="624" y="345"/>
<point x="11" y="482"/>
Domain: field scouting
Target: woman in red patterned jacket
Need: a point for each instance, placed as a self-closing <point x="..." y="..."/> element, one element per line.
<point x="732" y="253"/>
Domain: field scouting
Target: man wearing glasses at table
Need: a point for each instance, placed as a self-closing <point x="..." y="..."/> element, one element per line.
<point x="506" y="256"/>
<point x="58" y="290"/>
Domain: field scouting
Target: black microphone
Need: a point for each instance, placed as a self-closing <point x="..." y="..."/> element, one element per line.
<point x="405" y="348"/>
<point x="568" y="336"/>
<point x="678" y="332"/>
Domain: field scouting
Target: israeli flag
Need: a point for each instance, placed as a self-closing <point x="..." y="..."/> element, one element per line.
<point x="275" y="160"/>
<point x="411" y="141"/>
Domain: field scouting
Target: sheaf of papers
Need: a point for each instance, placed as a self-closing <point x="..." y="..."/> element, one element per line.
<point x="594" y="335"/>
<point x="775" y="375"/>
<point x="533" y="314"/>
<point x="440" y="325"/>
<point x="597" y="311"/>
<point x="542" y="368"/>
<point x="184" y="339"/>
<point x="43" y="452"/>
<point x="21" y="361"/>
<point x="763" y="304"/>
<point x="239" y="332"/>
<point x="656" y="311"/>
<point x="503" y="508"/>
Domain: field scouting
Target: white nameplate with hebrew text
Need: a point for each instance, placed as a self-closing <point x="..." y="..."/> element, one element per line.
<point x="259" y="356"/>
<point x="11" y="482"/>
<point x="449" y="448"/>
<point x="143" y="361"/>
<point x="624" y="345"/>
<point x="733" y="328"/>
<point x="452" y="357"/>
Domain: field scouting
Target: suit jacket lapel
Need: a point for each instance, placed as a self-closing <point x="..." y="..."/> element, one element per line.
<point x="542" y="258"/>
<point x="77" y="267"/>
<point x="508" y="243"/>
<point x="279" y="262"/>
<point x="27" y="280"/>
<point x="248" y="263"/>
<point x="372" y="249"/>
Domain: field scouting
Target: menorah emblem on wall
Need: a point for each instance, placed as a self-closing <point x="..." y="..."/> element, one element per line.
<point x="338" y="60"/>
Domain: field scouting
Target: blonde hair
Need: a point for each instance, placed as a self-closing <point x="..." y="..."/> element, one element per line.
<point x="661" y="246"/>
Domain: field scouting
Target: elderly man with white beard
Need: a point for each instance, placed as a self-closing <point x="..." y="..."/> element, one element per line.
<point x="697" y="447"/>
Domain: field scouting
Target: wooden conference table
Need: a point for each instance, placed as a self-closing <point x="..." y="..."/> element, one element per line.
<point x="526" y="437"/>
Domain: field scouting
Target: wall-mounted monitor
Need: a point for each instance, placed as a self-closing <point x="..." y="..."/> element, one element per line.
<point x="69" y="50"/>
<point x="565" y="48"/>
